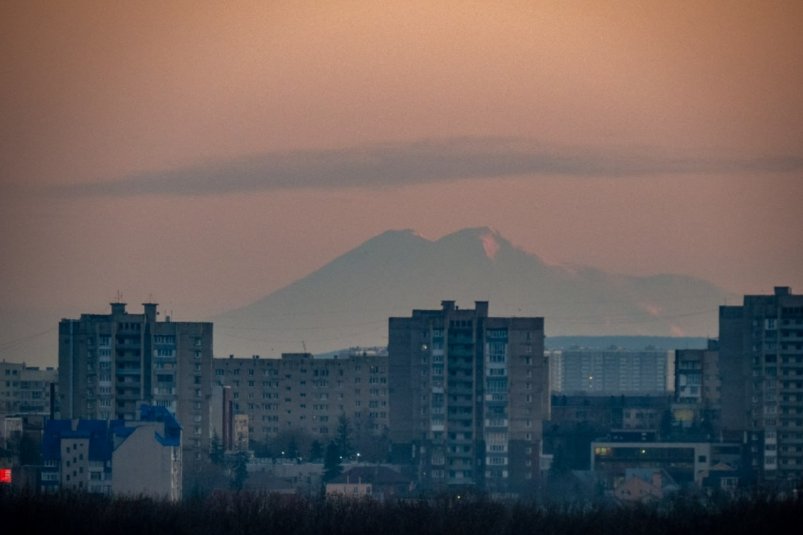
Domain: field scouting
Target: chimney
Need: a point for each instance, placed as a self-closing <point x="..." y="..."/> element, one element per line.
<point x="118" y="309"/>
<point x="447" y="306"/>
<point x="481" y="308"/>
<point x="781" y="291"/>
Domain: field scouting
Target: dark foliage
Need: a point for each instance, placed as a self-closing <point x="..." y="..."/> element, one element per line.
<point x="332" y="466"/>
<point x="315" y="451"/>
<point x="239" y="470"/>
<point x="246" y="513"/>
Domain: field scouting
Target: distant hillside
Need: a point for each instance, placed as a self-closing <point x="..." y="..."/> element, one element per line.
<point x="348" y="301"/>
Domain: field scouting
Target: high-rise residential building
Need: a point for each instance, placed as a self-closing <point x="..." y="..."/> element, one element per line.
<point x="299" y="393"/>
<point x="25" y="389"/>
<point x="761" y="367"/>
<point x="468" y="395"/>
<point x="611" y="371"/>
<point x="109" y="364"/>
<point x="698" y="387"/>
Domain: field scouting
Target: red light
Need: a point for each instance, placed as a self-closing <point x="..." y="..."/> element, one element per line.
<point x="5" y="476"/>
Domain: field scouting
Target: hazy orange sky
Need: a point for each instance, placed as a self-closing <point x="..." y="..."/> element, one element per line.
<point x="204" y="154"/>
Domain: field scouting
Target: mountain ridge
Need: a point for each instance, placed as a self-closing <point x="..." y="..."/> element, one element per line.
<point x="347" y="301"/>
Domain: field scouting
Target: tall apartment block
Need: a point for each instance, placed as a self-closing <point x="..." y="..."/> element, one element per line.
<point x="468" y="395"/>
<point x="299" y="392"/>
<point x="110" y="364"/>
<point x="761" y="365"/>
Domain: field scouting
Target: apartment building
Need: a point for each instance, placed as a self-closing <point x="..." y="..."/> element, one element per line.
<point x="468" y="395"/>
<point x="698" y="387"/>
<point x="109" y="364"/>
<point x="610" y="372"/>
<point x="25" y="389"/>
<point x="122" y="457"/>
<point x="761" y="367"/>
<point x="300" y="392"/>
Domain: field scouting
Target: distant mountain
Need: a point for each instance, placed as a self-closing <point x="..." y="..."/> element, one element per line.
<point x="348" y="301"/>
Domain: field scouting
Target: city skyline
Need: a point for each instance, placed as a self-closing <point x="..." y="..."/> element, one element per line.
<point x="205" y="156"/>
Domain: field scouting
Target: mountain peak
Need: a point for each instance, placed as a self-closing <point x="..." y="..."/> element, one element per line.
<point x="490" y="244"/>
<point x="347" y="301"/>
<point x="395" y="238"/>
<point x="488" y="237"/>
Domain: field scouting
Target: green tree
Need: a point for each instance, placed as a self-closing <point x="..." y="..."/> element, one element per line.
<point x="331" y="462"/>
<point x="291" y="442"/>
<point x="343" y="436"/>
<point x="292" y="448"/>
<point x="316" y="451"/>
<point x="372" y="445"/>
<point x="261" y="449"/>
<point x="239" y="470"/>
<point x="216" y="450"/>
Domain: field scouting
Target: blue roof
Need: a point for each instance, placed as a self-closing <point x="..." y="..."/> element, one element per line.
<point x="101" y="433"/>
<point x="96" y="431"/>
<point x="54" y="429"/>
<point x="172" y="429"/>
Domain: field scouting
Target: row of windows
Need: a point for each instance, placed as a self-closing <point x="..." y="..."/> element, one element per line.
<point x="316" y="372"/>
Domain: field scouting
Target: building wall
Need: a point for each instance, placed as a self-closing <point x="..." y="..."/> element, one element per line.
<point x="735" y="368"/>
<point x="24" y="389"/>
<point x="608" y="412"/>
<point x="468" y="396"/>
<point x="555" y="360"/>
<point x="143" y="466"/>
<point x="241" y="442"/>
<point x="126" y="457"/>
<point x="686" y="462"/>
<point x="613" y="372"/>
<point x="75" y="463"/>
<point x="299" y="392"/>
<point x="109" y="364"/>
<point x="698" y="386"/>
<point x="761" y="362"/>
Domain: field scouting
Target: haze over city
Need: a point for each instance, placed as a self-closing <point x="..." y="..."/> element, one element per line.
<point x="206" y="155"/>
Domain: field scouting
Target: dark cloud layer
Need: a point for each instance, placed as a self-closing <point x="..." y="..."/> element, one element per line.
<point x="393" y="165"/>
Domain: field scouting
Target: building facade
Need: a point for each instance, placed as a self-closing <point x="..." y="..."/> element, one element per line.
<point x="302" y="393"/>
<point x="109" y="364"/>
<point x="121" y="457"/>
<point x="610" y="372"/>
<point x="146" y="456"/>
<point x="761" y="366"/>
<point x="698" y="388"/>
<point x="25" y="389"/>
<point x="689" y="463"/>
<point x="468" y="395"/>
